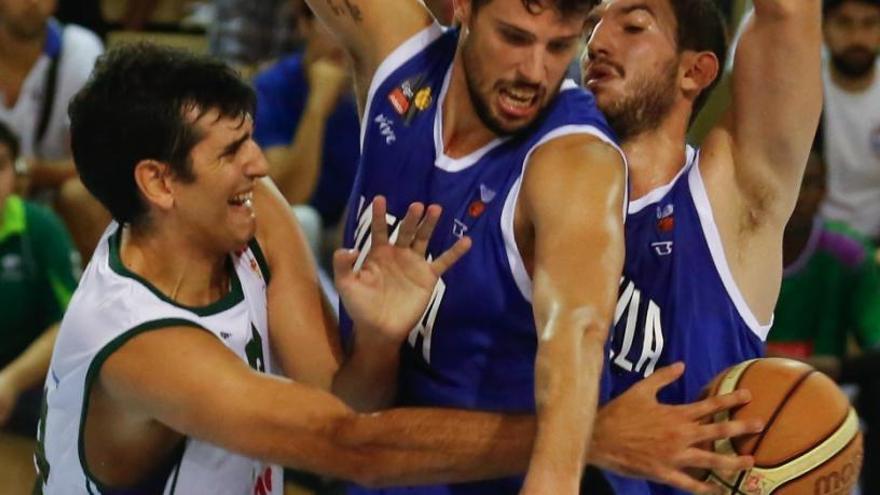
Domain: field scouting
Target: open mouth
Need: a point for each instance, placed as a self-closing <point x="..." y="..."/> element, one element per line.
<point x="599" y="72"/>
<point x="519" y="102"/>
<point x="243" y="200"/>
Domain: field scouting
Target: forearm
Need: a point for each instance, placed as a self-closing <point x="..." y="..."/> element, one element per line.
<point x="29" y="369"/>
<point x="567" y="372"/>
<point x="367" y="381"/>
<point x="296" y="168"/>
<point x="423" y="446"/>
<point x="45" y="174"/>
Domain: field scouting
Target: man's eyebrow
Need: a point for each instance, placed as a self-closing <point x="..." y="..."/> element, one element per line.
<point x="516" y="30"/>
<point x="232" y="148"/>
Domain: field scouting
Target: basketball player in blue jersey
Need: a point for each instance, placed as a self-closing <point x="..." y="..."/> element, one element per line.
<point x="704" y="227"/>
<point x="479" y="120"/>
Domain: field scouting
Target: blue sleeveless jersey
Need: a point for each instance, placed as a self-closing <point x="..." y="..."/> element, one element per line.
<point x="677" y="302"/>
<point x="475" y="346"/>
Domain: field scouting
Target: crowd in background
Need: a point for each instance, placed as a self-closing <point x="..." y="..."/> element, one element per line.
<point x="307" y="124"/>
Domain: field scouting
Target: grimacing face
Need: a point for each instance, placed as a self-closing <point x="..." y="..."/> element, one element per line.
<point x="631" y="63"/>
<point x="515" y="60"/>
<point x="852" y="35"/>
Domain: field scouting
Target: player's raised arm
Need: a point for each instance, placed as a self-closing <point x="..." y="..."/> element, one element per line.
<point x="371" y="29"/>
<point x="777" y="100"/>
<point x="572" y="197"/>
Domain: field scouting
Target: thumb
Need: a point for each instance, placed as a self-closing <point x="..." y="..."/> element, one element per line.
<point x="343" y="262"/>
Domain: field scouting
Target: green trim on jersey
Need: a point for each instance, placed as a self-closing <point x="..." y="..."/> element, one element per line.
<point x="14" y="221"/>
<point x="62" y="292"/>
<point x="261" y="260"/>
<point x="92" y="376"/>
<point x="233" y="297"/>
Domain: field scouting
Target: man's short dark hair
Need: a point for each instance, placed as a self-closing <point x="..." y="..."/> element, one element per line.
<point x="565" y="7"/>
<point x="829" y="5"/>
<point x="10" y="139"/>
<point x="700" y="26"/>
<point x="133" y="109"/>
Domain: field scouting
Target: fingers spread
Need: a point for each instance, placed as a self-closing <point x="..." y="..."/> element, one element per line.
<point x="378" y="225"/>
<point x="407" y="231"/>
<point x="718" y="403"/>
<point x="343" y="260"/>
<point x="426" y="229"/>
<point x="451" y="255"/>
<point x="728" y="429"/>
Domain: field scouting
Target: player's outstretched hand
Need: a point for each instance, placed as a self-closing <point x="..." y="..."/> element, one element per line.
<point x="637" y="436"/>
<point x="391" y="290"/>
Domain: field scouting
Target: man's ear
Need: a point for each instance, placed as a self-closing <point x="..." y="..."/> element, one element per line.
<point x="462" y="11"/>
<point x="700" y="71"/>
<point x="154" y="181"/>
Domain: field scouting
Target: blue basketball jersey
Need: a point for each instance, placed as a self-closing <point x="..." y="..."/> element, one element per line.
<point x="677" y="302"/>
<point x="475" y="346"/>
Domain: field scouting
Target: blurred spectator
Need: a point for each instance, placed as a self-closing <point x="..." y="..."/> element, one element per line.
<point x="307" y="122"/>
<point x="248" y="32"/>
<point x="42" y="65"/>
<point x="830" y="295"/>
<point x="38" y="273"/>
<point x="850" y="142"/>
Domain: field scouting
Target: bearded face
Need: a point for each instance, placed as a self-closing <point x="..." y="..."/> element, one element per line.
<point x="643" y="104"/>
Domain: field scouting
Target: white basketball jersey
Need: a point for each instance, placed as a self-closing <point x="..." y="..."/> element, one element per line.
<point x="111" y="306"/>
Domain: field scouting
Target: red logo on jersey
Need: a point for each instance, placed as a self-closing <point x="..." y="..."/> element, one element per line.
<point x="476" y="208"/>
<point x="263" y="485"/>
<point x="399" y="100"/>
<point x="666" y="224"/>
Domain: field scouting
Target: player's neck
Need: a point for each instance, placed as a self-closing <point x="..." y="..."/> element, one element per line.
<point x="17" y="53"/>
<point x="655" y="156"/>
<point x="463" y="131"/>
<point x="181" y="271"/>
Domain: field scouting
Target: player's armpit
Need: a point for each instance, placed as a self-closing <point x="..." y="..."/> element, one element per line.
<point x="303" y="332"/>
<point x="637" y="436"/>
<point x="570" y="231"/>
<point x="770" y="124"/>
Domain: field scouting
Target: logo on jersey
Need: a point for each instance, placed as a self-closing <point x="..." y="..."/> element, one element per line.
<point x="410" y="98"/>
<point x="665" y="218"/>
<point x="386" y="127"/>
<point x="637" y="340"/>
<point x="263" y="484"/>
<point x="478" y="206"/>
<point x="662" y="248"/>
<point x="254" y="351"/>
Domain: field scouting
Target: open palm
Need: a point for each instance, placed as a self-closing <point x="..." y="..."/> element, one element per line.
<point x="390" y="291"/>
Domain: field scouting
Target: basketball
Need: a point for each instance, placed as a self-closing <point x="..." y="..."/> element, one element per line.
<point x="811" y="444"/>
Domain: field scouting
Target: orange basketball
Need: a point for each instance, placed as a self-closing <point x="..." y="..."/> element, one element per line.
<point x="811" y="443"/>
